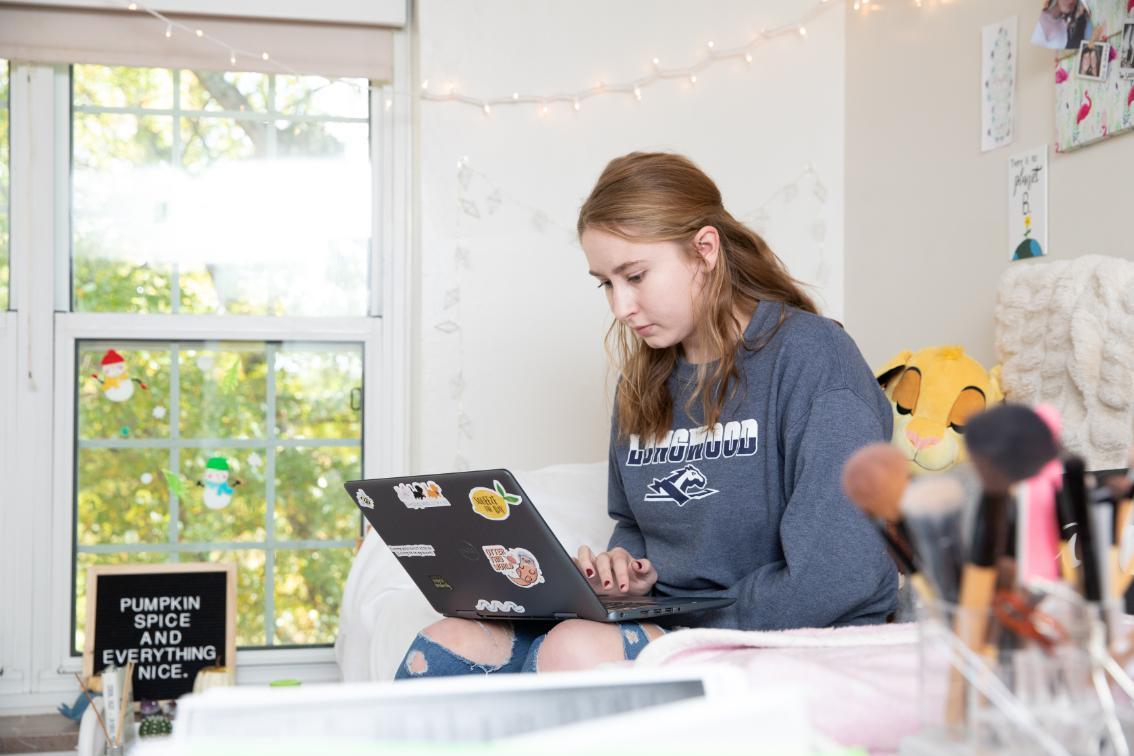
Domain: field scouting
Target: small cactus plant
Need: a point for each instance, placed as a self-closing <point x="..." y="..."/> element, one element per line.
<point x="158" y="724"/>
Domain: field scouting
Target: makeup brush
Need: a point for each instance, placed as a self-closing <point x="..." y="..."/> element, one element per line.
<point x="1007" y="444"/>
<point x="933" y="508"/>
<point x="1075" y="485"/>
<point x="874" y="478"/>
<point x="1038" y="549"/>
<point x="1121" y="519"/>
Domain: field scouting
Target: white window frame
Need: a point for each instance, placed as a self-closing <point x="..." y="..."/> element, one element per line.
<point x="37" y="345"/>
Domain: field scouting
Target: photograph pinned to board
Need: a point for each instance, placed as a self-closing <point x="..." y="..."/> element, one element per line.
<point x="998" y="84"/>
<point x="1126" y="51"/>
<point x="1093" y="61"/>
<point x="1027" y="204"/>
<point x="1064" y="24"/>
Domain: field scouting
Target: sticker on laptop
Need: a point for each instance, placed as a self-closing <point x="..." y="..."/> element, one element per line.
<point x="493" y="503"/>
<point x="440" y="583"/>
<point x="421" y="495"/>
<point x="413" y="550"/>
<point x="518" y="565"/>
<point x="484" y="605"/>
<point x="363" y="500"/>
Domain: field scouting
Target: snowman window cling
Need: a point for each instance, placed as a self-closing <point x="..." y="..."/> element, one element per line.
<point x="218" y="491"/>
<point x="117" y="386"/>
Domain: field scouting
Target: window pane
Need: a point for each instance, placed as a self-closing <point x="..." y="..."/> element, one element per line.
<point x="120" y="87"/>
<point x="308" y="595"/>
<point x="218" y="202"/>
<point x="319" y="392"/>
<point x="234" y="510"/>
<point x="223" y="390"/>
<point x="4" y="205"/>
<point x="124" y="498"/>
<point x="123" y="390"/>
<point x="232" y="91"/>
<point x="181" y="456"/>
<point x="314" y="95"/>
<point x="250" y="603"/>
<point x="309" y="489"/>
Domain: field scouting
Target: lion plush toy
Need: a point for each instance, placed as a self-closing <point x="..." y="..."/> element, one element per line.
<point x="933" y="392"/>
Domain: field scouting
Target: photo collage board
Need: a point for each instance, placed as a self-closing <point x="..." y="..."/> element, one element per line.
<point x="1094" y="79"/>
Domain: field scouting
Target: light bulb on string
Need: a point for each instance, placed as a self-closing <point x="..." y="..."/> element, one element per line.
<point x="543" y="109"/>
<point x="487" y="109"/>
<point x="389" y="103"/>
<point x="542" y="100"/>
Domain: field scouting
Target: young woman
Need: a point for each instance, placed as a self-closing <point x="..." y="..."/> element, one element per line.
<point x="737" y="405"/>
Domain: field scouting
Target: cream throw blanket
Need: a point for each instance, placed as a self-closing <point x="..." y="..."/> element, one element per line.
<point x="1065" y="337"/>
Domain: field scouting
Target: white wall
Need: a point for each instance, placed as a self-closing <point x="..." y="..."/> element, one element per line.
<point x="927" y="212"/>
<point x="531" y="321"/>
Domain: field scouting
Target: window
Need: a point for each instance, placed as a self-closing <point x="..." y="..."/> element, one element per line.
<point x="4" y="205"/>
<point x="237" y="241"/>
<point x="220" y="199"/>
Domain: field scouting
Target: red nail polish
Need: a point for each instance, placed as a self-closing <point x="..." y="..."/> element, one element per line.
<point x="590" y="572"/>
<point x="622" y="588"/>
<point x="606" y="584"/>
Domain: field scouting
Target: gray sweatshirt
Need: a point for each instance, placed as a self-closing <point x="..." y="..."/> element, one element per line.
<point x="754" y="510"/>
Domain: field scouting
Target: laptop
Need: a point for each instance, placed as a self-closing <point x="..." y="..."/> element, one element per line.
<point x="476" y="547"/>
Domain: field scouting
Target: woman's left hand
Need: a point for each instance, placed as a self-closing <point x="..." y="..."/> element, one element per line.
<point x="616" y="572"/>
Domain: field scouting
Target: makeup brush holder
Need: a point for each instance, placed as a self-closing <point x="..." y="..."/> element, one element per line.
<point x="1012" y="680"/>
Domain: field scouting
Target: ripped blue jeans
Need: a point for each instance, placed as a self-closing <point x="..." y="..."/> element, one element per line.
<point x="430" y="659"/>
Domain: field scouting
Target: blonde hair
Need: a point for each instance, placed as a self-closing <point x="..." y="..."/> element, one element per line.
<point x="656" y="196"/>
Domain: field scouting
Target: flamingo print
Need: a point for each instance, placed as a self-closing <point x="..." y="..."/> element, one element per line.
<point x="1130" y="97"/>
<point x="1084" y="109"/>
<point x="1061" y="74"/>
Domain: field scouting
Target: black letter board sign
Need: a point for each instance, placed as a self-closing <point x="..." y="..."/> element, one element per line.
<point x="171" y="620"/>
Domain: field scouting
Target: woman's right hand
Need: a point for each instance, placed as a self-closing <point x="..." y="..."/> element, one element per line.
<point x="616" y="572"/>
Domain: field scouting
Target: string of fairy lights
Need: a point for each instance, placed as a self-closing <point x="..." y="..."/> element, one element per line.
<point x="448" y="92"/>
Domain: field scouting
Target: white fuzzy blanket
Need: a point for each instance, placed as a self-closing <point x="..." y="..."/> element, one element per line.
<point x="1065" y="337"/>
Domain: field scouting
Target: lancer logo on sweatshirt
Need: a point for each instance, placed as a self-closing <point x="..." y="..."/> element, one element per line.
<point x="680" y="486"/>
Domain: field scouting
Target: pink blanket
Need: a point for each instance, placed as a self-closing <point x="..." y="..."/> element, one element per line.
<point x="861" y="682"/>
